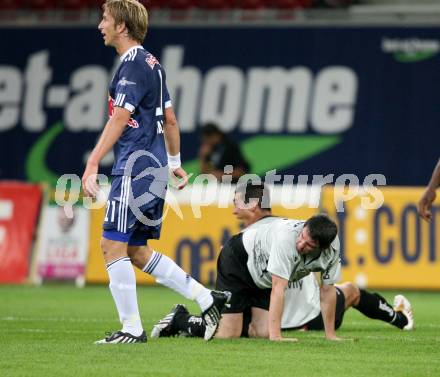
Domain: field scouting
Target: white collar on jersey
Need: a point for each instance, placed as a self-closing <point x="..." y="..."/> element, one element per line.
<point x="128" y="51"/>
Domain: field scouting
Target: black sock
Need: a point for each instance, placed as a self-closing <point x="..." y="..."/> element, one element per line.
<point x="191" y="325"/>
<point x="375" y="306"/>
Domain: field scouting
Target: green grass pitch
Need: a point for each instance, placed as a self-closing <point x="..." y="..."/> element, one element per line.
<point x="49" y="331"/>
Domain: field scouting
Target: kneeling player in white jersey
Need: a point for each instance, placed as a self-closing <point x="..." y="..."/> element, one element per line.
<point x="302" y="305"/>
<point x="302" y="310"/>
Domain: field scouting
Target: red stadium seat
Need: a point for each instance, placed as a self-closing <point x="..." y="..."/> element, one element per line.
<point x="306" y="3"/>
<point x="289" y="4"/>
<point x="181" y="4"/>
<point x="41" y="4"/>
<point x="252" y="4"/>
<point x="9" y="5"/>
<point x="75" y="4"/>
<point x="155" y="4"/>
<point x="97" y="3"/>
<point x="336" y="3"/>
<point x="216" y="4"/>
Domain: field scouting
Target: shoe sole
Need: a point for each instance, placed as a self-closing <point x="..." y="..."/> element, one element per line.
<point x="125" y="340"/>
<point x="104" y="342"/>
<point x="155" y="333"/>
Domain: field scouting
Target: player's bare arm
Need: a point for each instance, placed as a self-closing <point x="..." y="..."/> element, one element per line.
<point x="328" y="310"/>
<point x="110" y="135"/>
<point x="172" y="141"/>
<point x="279" y="286"/>
<point x="428" y="197"/>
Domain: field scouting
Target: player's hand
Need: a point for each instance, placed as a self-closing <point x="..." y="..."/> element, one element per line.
<point x="180" y="178"/>
<point x="424" y="205"/>
<point x="89" y="184"/>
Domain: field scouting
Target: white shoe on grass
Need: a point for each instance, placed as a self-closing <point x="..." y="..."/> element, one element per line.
<point x="401" y="304"/>
<point x="119" y="337"/>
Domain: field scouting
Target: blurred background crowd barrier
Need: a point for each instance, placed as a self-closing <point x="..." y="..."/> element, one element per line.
<point x="304" y="87"/>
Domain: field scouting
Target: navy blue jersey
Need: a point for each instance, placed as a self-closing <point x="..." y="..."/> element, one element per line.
<point x="139" y="86"/>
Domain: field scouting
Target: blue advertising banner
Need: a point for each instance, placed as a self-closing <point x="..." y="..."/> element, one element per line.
<point x="300" y="100"/>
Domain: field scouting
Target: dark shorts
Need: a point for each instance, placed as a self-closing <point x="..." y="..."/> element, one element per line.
<point x="317" y="322"/>
<point x="233" y="276"/>
<point x="134" y="210"/>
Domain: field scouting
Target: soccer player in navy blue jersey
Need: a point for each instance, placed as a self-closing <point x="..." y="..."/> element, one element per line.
<point x="143" y="131"/>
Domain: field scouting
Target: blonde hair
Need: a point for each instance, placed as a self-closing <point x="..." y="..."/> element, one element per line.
<point x="132" y="13"/>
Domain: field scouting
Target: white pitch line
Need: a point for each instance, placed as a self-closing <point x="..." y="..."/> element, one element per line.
<point x="55" y="319"/>
<point x="45" y="331"/>
<point x="393" y="338"/>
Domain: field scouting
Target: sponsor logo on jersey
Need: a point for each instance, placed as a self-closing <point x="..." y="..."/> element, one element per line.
<point x="132" y="122"/>
<point x="151" y="61"/>
<point x="124" y="82"/>
<point x="295" y="285"/>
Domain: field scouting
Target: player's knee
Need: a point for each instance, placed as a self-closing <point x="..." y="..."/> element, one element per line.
<point x="227" y="335"/>
<point x="139" y="255"/>
<point x="230" y="326"/>
<point x="112" y="249"/>
<point x="137" y="260"/>
<point x="105" y="246"/>
<point x="352" y="294"/>
<point x="356" y="295"/>
<point x="258" y="331"/>
<point x="227" y="332"/>
<point x="135" y="256"/>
